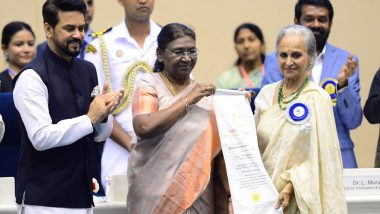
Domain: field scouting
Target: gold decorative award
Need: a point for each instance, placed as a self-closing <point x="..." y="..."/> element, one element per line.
<point x="330" y="85"/>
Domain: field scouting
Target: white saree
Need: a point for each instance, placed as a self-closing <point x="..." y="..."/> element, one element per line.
<point x="308" y="154"/>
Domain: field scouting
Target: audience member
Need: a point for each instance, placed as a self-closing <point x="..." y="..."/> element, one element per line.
<point x="121" y="55"/>
<point x="248" y="70"/>
<point x="296" y="131"/>
<point x="335" y="70"/>
<point x="371" y="110"/>
<point x="63" y="115"/>
<point x="177" y="133"/>
<point x="17" y="42"/>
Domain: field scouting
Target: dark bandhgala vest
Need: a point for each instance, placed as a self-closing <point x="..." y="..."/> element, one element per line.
<point x="59" y="177"/>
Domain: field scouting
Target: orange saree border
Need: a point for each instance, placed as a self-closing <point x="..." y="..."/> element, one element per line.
<point x="187" y="185"/>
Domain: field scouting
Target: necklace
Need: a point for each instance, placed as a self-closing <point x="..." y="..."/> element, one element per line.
<point x="283" y="101"/>
<point x="168" y="83"/>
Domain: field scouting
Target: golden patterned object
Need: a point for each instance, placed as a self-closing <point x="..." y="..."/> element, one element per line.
<point x="331" y="86"/>
<point x="256" y="197"/>
<point x="90" y="49"/>
<point x="168" y="84"/>
<point x="330" y="89"/>
<point x="102" y="32"/>
<point x="129" y="83"/>
<point x="128" y="78"/>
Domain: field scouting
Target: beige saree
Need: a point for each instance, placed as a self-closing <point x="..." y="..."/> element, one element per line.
<point x="308" y="155"/>
<point x="171" y="173"/>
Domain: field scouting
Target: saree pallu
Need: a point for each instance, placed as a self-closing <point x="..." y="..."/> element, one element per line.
<point x="171" y="173"/>
<point x="308" y="155"/>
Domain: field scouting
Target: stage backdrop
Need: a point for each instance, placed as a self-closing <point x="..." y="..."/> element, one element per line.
<point x="355" y="28"/>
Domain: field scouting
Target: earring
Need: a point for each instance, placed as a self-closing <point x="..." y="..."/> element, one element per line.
<point x="6" y="56"/>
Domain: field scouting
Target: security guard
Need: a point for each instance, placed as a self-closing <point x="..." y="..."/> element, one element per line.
<point x="121" y="55"/>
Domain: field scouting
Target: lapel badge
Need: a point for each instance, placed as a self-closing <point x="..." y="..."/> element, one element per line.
<point x="95" y="91"/>
<point x="298" y="112"/>
<point x="119" y="53"/>
<point x="330" y="85"/>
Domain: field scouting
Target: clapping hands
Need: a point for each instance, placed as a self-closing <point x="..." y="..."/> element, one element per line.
<point x="104" y="104"/>
<point x="347" y="71"/>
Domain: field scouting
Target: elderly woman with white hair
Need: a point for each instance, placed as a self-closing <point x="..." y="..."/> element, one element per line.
<point x="296" y="131"/>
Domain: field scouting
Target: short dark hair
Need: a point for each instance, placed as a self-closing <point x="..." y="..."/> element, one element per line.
<point x="11" y="29"/>
<point x="51" y="7"/>
<point x="254" y="29"/>
<point x="321" y="3"/>
<point x="169" y="33"/>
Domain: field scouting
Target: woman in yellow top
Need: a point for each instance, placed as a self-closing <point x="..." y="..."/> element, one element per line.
<point x="248" y="70"/>
<point x="296" y="131"/>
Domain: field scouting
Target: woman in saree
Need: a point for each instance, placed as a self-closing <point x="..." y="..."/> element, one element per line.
<point x="296" y="131"/>
<point x="170" y="168"/>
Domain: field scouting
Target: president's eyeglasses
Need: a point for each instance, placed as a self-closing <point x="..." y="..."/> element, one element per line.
<point x="180" y="53"/>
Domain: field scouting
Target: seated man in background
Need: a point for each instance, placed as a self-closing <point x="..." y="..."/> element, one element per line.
<point x="335" y="70"/>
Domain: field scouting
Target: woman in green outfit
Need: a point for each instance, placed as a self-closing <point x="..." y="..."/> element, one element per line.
<point x="249" y="67"/>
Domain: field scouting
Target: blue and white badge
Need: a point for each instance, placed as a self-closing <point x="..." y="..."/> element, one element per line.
<point x="298" y="112"/>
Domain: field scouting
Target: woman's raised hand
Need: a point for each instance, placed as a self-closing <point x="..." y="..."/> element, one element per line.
<point x="104" y="104"/>
<point x="199" y="91"/>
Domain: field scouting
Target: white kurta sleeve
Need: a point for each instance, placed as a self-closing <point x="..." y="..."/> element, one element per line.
<point x="31" y="100"/>
<point x="103" y="130"/>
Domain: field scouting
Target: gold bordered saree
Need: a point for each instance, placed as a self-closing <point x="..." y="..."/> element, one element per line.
<point x="308" y="155"/>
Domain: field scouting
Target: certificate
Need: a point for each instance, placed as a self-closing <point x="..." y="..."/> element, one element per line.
<point x="252" y="190"/>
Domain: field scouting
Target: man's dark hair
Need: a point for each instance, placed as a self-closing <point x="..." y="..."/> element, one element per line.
<point x="51" y="7"/>
<point x="321" y="3"/>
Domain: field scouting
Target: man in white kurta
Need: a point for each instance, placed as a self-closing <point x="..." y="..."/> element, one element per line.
<point x="63" y="114"/>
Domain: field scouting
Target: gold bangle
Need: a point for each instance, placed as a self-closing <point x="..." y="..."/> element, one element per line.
<point x="184" y="100"/>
